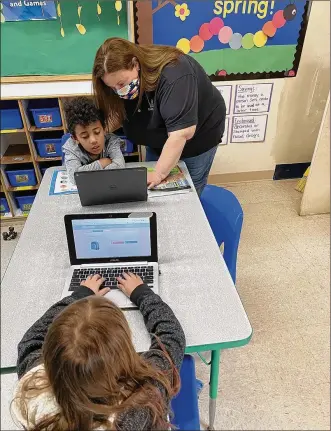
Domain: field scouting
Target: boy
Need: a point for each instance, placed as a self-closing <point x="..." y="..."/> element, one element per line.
<point x="89" y="148"/>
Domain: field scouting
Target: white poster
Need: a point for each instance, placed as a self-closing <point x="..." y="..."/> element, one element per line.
<point x="252" y="98"/>
<point x="249" y="128"/>
<point x="226" y="91"/>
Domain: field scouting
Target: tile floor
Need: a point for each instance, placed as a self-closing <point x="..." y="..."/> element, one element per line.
<point x="281" y="380"/>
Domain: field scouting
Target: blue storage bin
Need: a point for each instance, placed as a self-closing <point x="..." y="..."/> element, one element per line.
<point x="45" y="113"/>
<point x="25" y="202"/>
<point x="48" y="165"/>
<point x="10" y="116"/>
<point x="127" y="146"/>
<point x="21" y="175"/>
<point x="49" y="146"/>
<point x="4" y="207"/>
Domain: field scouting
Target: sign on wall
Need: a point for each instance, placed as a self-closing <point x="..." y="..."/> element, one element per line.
<point x="252" y="98"/>
<point x="228" y="37"/>
<point x="26" y="10"/>
<point x="249" y="128"/>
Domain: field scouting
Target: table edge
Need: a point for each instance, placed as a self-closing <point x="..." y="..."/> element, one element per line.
<point x="219" y="346"/>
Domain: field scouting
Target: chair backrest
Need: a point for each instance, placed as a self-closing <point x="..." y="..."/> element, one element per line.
<point x="64" y="139"/>
<point x="225" y="217"/>
<point x="185" y="404"/>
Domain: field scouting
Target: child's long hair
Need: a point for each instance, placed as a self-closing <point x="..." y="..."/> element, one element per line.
<point x="94" y="372"/>
<point x="117" y="54"/>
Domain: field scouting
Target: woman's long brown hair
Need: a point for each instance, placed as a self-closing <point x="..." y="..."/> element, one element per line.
<point x="117" y="54"/>
<point x="94" y="372"/>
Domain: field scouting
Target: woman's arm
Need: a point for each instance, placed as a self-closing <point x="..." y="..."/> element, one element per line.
<point x="170" y="155"/>
<point x="179" y="109"/>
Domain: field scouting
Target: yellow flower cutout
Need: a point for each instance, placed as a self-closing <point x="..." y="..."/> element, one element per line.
<point x="182" y="11"/>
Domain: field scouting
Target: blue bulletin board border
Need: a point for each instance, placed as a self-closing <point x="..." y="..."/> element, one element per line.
<point x="143" y="27"/>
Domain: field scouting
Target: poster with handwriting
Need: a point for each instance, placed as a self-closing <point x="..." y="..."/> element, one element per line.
<point x="225" y="138"/>
<point x="251" y="98"/>
<point x="249" y="128"/>
<point x="226" y="91"/>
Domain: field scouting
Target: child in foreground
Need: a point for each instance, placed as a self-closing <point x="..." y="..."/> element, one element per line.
<point x="78" y="368"/>
<point x="89" y="148"/>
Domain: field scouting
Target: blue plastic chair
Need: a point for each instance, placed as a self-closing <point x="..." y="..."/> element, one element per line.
<point x="185" y="404"/>
<point x="225" y="217"/>
<point x="64" y="139"/>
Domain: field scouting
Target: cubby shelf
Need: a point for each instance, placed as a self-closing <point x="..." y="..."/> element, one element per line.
<point x="45" y="129"/>
<point x="5" y="132"/>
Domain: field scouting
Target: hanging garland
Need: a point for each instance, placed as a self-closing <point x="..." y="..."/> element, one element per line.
<point x="118" y="7"/>
<point x="59" y="14"/>
<point x="80" y="27"/>
<point x="99" y="10"/>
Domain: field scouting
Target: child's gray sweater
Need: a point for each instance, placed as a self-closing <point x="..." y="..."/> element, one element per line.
<point x="77" y="159"/>
<point x="159" y="320"/>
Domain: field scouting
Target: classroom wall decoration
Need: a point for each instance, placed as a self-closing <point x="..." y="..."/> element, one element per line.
<point x="230" y="38"/>
<point x="247" y="111"/>
<point x="64" y="46"/>
<point x="25" y="10"/>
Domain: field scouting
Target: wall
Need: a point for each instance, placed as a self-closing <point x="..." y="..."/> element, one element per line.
<point x="296" y="111"/>
<point x="316" y="197"/>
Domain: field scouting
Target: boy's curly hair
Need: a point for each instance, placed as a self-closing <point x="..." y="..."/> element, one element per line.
<point x="82" y="111"/>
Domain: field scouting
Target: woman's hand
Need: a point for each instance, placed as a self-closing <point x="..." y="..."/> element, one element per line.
<point x="94" y="283"/>
<point x="153" y="179"/>
<point x="128" y="282"/>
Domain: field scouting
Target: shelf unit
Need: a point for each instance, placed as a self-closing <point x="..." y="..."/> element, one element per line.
<point x="17" y="147"/>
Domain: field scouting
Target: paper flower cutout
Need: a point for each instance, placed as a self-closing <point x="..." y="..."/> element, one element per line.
<point x="182" y="11"/>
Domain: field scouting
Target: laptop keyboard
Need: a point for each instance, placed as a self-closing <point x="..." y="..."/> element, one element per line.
<point x="110" y="274"/>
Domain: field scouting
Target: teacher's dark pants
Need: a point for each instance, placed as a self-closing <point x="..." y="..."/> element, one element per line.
<point x="198" y="166"/>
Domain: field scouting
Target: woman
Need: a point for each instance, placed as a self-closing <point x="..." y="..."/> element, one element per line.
<point x="165" y="101"/>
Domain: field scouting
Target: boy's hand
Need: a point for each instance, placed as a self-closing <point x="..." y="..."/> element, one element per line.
<point x="94" y="282"/>
<point x="105" y="162"/>
<point x="128" y="282"/>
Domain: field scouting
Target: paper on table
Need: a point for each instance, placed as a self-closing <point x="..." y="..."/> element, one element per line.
<point x="61" y="185"/>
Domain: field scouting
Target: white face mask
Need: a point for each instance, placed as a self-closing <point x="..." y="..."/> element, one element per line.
<point x="129" y="91"/>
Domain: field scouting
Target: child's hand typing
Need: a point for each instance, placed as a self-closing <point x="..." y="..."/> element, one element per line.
<point x="128" y="282"/>
<point x="94" y="282"/>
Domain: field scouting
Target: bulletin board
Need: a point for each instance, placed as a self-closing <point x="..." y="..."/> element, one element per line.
<point x="63" y="46"/>
<point x="231" y="39"/>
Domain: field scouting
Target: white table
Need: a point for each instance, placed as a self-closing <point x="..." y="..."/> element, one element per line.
<point x="194" y="279"/>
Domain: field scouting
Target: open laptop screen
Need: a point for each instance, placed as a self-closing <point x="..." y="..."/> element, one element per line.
<point x="111" y="237"/>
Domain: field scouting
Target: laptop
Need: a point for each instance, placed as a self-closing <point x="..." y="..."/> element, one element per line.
<point x="111" y="186"/>
<point x="110" y="244"/>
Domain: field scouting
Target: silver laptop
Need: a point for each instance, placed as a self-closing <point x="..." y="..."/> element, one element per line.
<point x="110" y="244"/>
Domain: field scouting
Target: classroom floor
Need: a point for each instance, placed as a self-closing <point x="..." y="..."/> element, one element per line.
<point x="281" y="380"/>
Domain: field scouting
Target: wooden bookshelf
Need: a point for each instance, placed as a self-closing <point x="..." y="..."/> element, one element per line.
<point x="16" y="154"/>
<point x="45" y="129"/>
<point x="6" y="131"/>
